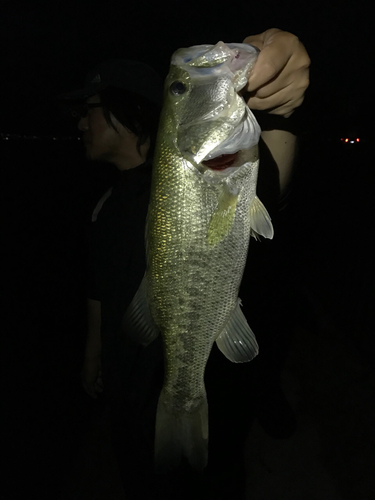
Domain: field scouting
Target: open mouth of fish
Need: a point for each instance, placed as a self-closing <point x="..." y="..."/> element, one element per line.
<point x="221" y="162"/>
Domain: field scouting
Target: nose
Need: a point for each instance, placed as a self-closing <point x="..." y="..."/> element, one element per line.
<point x="83" y="124"/>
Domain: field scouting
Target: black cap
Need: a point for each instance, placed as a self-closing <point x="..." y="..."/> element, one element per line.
<point x="133" y="76"/>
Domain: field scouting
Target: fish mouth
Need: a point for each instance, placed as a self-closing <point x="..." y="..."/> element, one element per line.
<point x="221" y="162"/>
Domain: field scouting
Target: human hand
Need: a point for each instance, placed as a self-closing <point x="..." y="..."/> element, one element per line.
<point x="91" y="376"/>
<point x="280" y="76"/>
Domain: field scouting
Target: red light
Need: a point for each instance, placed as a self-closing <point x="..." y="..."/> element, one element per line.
<point x="357" y="139"/>
<point x="346" y="140"/>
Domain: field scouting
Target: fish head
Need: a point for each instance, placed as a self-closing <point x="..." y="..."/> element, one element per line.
<point x="210" y="121"/>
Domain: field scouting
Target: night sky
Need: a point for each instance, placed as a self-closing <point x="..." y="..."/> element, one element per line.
<point x="47" y="48"/>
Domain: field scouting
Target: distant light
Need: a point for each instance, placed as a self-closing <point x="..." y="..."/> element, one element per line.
<point x="346" y="140"/>
<point x="357" y="139"/>
<point x="11" y="137"/>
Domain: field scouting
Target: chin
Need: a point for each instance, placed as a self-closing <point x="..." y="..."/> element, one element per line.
<point x="91" y="155"/>
<point x="88" y="151"/>
<point x="105" y="156"/>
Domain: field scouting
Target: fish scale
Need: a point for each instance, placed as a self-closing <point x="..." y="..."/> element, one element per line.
<point x="198" y="229"/>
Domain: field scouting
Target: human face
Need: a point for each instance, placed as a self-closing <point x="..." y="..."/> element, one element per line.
<point x="104" y="143"/>
<point x="101" y="141"/>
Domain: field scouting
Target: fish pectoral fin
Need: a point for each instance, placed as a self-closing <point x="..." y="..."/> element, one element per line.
<point x="237" y="341"/>
<point x="260" y="221"/>
<point x="223" y="217"/>
<point x="181" y="434"/>
<point x="137" y="322"/>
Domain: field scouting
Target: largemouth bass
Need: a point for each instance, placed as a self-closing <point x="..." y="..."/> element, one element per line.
<point x="203" y="209"/>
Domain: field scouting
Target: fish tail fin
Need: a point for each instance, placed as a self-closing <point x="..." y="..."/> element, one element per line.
<point x="181" y="434"/>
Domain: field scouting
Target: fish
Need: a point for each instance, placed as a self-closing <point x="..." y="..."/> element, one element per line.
<point x="203" y="209"/>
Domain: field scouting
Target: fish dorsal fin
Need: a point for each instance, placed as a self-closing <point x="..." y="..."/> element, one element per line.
<point x="237" y="341"/>
<point x="260" y="221"/>
<point x="223" y="217"/>
<point x="137" y="322"/>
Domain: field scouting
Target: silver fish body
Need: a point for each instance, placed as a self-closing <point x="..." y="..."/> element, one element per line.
<point x="198" y="229"/>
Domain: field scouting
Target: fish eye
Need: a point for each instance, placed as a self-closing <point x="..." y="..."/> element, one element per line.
<point x="177" y="88"/>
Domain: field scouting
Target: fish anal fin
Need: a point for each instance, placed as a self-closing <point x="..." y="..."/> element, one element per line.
<point x="260" y="221"/>
<point x="223" y="217"/>
<point x="137" y="322"/>
<point x="181" y="434"/>
<point x="237" y="341"/>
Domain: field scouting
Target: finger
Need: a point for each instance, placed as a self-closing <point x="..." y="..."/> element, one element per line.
<point x="276" y="89"/>
<point x="264" y="99"/>
<point x="91" y="393"/>
<point x="277" y="48"/>
<point x="267" y="105"/>
<point x="273" y="94"/>
<point x="89" y="389"/>
<point x="285" y="109"/>
<point x="256" y="40"/>
<point x="259" y="39"/>
<point x="270" y="63"/>
<point x="294" y="83"/>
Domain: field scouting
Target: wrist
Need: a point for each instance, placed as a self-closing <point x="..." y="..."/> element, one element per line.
<point x="92" y="356"/>
<point x="268" y="121"/>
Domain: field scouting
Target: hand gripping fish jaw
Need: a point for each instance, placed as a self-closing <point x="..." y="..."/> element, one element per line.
<point x="203" y="209"/>
<point x="220" y="123"/>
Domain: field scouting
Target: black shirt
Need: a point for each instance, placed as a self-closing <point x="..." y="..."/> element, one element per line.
<point x="117" y="249"/>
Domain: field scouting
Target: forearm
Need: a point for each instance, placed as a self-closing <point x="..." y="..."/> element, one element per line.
<point x="93" y="341"/>
<point x="282" y="145"/>
<point x="275" y="91"/>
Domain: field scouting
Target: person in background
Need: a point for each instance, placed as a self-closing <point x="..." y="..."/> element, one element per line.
<point x="119" y="109"/>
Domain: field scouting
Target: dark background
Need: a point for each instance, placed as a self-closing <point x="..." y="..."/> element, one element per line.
<point x="50" y="189"/>
<point x="47" y="49"/>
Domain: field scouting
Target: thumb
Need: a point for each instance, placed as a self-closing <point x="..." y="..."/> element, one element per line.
<point x="89" y="389"/>
<point x="256" y="40"/>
